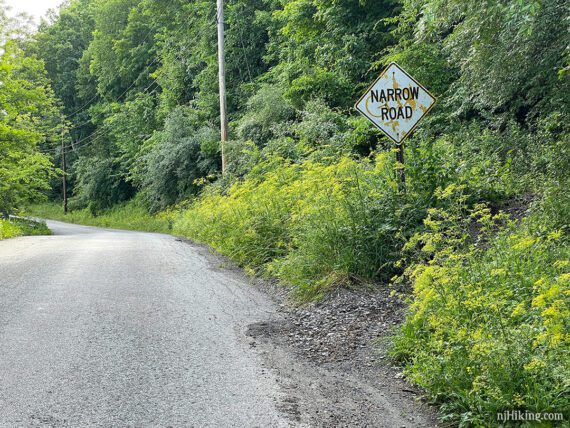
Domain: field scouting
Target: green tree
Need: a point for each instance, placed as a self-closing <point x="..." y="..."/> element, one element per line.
<point x="28" y="116"/>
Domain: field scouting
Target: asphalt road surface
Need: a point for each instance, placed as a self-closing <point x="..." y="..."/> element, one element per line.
<point x="114" y="328"/>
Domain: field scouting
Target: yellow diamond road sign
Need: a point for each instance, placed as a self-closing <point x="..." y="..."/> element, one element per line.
<point x="396" y="103"/>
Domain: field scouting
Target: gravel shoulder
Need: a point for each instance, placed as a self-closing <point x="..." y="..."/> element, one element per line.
<point x="330" y="357"/>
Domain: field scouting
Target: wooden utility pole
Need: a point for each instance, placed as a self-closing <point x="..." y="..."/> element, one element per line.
<point x="222" y="76"/>
<point x="63" y="167"/>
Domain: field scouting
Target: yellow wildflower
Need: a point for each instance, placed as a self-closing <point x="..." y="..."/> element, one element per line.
<point x="518" y="310"/>
<point x="498" y="272"/>
<point x="553" y="236"/>
<point x="534" y="364"/>
<point x="523" y="244"/>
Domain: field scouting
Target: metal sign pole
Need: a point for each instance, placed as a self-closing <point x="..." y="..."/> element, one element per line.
<point x="401" y="170"/>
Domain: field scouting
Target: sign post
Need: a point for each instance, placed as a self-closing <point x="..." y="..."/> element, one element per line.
<point x="395" y="104"/>
<point x="401" y="171"/>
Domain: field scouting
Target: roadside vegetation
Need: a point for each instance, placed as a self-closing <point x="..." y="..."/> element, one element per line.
<point x="9" y="230"/>
<point x="22" y="227"/>
<point x="129" y="216"/>
<point x="487" y="327"/>
<point x="477" y="240"/>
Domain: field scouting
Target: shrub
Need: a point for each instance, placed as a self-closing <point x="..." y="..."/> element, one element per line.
<point x="267" y="114"/>
<point x="22" y="227"/>
<point x="9" y="230"/>
<point x="316" y="224"/>
<point x="182" y="155"/>
<point x="249" y="224"/>
<point x="322" y="131"/>
<point x="344" y="226"/>
<point x="100" y="184"/>
<point x="472" y="157"/>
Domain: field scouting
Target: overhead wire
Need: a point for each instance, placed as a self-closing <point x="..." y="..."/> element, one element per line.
<point x="99" y="133"/>
<point x="95" y="135"/>
<point x="215" y="20"/>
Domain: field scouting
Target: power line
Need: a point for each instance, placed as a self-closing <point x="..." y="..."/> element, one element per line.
<point x="80" y="125"/>
<point x="99" y="133"/>
<point x="102" y="132"/>
<point x="77" y="144"/>
<point x="117" y="99"/>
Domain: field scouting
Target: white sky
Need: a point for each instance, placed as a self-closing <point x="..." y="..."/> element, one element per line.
<point x="36" y="8"/>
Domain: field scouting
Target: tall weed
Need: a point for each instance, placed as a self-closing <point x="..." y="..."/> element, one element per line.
<point x="9" y="230"/>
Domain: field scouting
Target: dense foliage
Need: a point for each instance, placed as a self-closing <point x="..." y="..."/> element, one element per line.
<point x="488" y="324"/>
<point x="311" y="195"/>
<point x="28" y="115"/>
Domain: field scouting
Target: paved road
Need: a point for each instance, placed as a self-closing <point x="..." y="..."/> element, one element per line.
<point x="114" y="328"/>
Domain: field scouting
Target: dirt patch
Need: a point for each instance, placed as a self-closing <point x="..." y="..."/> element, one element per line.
<point x="336" y="330"/>
<point x="517" y="207"/>
<point x="331" y="358"/>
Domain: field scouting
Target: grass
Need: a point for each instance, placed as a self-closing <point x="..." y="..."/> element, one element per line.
<point x="130" y="216"/>
<point x="21" y="227"/>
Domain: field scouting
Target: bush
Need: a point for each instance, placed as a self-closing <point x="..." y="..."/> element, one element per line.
<point x="268" y="113"/>
<point x="181" y="156"/>
<point x="100" y="184"/>
<point x="9" y="230"/>
<point x="323" y="131"/>
<point x="32" y="227"/>
<point x="22" y="227"/>
<point x="472" y="158"/>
